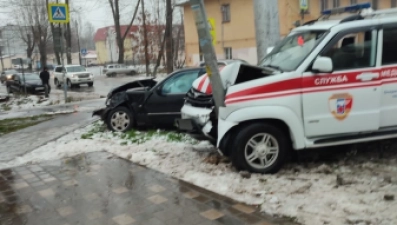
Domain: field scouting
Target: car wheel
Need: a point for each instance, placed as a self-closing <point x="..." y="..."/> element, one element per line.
<point x="260" y="148"/>
<point x="56" y="83"/>
<point x="114" y="74"/>
<point x="69" y="83"/>
<point x="120" y="119"/>
<point x="90" y="84"/>
<point x="9" y="91"/>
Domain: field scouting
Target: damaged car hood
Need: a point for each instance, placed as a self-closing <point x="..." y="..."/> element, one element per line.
<point x="137" y="85"/>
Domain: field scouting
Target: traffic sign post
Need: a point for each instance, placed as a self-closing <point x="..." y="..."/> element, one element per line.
<point x="303" y="4"/>
<point x="83" y="51"/>
<point x="59" y="14"/>
<point x="206" y="41"/>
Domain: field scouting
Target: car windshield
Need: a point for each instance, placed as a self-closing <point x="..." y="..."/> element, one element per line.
<point x="292" y="50"/>
<point x="75" y="69"/>
<point x="30" y="76"/>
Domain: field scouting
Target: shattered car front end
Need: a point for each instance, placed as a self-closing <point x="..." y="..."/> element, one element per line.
<point x="124" y="95"/>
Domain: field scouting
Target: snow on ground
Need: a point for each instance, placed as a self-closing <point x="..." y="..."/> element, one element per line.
<point x="20" y="102"/>
<point x="349" y="190"/>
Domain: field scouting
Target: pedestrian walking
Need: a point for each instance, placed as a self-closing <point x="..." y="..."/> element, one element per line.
<point x="45" y="79"/>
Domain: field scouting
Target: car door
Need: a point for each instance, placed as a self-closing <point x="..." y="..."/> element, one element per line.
<point x="15" y="82"/>
<point x="388" y="45"/>
<point x="348" y="99"/>
<point x="165" y="104"/>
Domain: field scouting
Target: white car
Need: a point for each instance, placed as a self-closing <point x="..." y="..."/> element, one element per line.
<point x="114" y="69"/>
<point x="75" y="75"/>
<point x="330" y="82"/>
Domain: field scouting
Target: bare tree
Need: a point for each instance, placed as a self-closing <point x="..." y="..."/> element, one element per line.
<point x="115" y="6"/>
<point x="145" y="37"/>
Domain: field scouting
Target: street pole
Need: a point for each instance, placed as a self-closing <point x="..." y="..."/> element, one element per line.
<point x="205" y="42"/>
<point x="23" y="77"/>
<point x="63" y="66"/>
<point x="267" y="26"/>
<point x="1" y="58"/>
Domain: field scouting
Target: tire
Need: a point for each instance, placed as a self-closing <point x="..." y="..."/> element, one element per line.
<point x="120" y="125"/>
<point x="113" y="75"/>
<point x="56" y="83"/>
<point x="9" y="91"/>
<point x="90" y="84"/>
<point x="264" y="159"/>
<point x="133" y="72"/>
<point x="69" y="83"/>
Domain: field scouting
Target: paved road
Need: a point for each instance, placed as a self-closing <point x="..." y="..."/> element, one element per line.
<point x="26" y="140"/>
<point x="102" y="84"/>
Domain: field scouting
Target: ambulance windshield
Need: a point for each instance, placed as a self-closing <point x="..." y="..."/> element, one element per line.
<point x="292" y="50"/>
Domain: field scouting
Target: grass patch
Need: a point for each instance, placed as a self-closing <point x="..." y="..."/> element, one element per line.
<point x="14" y="124"/>
<point x="5" y="107"/>
<point x="137" y="137"/>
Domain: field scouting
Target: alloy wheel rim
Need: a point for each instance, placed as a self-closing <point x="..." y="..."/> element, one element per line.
<point x="120" y="121"/>
<point x="261" y="151"/>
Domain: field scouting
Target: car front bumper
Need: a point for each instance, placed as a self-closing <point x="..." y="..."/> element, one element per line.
<point x="102" y="113"/>
<point x="196" y="122"/>
<point x="82" y="80"/>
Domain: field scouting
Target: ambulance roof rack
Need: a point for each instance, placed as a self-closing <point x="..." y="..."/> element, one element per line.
<point x="351" y="8"/>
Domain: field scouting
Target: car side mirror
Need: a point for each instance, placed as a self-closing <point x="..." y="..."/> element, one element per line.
<point x="159" y="90"/>
<point x="322" y="65"/>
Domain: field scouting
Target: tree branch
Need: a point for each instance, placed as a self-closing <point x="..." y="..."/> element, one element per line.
<point x="132" y="20"/>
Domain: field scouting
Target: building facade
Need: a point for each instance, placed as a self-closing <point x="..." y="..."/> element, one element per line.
<point x="235" y="24"/>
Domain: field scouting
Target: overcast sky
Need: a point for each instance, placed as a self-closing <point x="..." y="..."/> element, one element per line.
<point x="95" y="11"/>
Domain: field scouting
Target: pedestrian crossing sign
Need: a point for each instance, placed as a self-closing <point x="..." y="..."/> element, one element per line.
<point x="58" y="13"/>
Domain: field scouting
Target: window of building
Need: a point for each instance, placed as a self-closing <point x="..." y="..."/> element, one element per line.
<point x="324" y="5"/>
<point x="389" y="46"/>
<point x="352" y="2"/>
<point x="375" y="4"/>
<point x="393" y="3"/>
<point x="335" y="3"/>
<point x="228" y="53"/>
<point x="354" y="51"/>
<point x="225" y="13"/>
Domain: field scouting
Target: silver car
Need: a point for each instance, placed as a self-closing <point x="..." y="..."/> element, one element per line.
<point x="6" y="75"/>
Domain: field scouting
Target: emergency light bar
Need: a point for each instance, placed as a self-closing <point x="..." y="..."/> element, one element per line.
<point x="352" y="8"/>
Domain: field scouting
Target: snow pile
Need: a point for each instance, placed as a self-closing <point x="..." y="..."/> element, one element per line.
<point x="20" y="102"/>
<point x="353" y="190"/>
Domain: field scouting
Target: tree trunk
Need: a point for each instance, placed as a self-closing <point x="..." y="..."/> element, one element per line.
<point x="168" y="37"/>
<point x="68" y="41"/>
<point x="29" y="51"/>
<point x="160" y="55"/>
<point x="57" y="56"/>
<point x="145" y="37"/>
<point x="176" y="49"/>
<point x="43" y="54"/>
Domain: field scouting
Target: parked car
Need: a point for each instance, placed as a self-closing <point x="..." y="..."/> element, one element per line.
<point x="75" y="75"/>
<point x="31" y="81"/>
<point x="6" y="75"/>
<point x="113" y="70"/>
<point x="148" y="102"/>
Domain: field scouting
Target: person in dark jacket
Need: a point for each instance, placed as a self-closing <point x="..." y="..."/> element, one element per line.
<point x="45" y="79"/>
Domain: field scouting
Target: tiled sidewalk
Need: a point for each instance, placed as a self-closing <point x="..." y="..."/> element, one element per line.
<point x="98" y="188"/>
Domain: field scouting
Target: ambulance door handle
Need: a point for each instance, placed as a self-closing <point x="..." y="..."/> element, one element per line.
<point x="367" y="76"/>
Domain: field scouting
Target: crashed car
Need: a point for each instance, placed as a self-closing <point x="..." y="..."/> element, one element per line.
<point x="147" y="102"/>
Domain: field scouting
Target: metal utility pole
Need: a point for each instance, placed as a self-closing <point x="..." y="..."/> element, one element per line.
<point x="205" y="42"/>
<point x="267" y="26"/>
<point x="1" y="58"/>
<point x="59" y="14"/>
<point x="23" y="76"/>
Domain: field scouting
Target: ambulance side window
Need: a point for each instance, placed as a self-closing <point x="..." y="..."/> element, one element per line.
<point x="353" y="51"/>
<point x="389" y="46"/>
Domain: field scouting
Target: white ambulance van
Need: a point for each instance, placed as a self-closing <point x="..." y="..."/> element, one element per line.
<point x="332" y="81"/>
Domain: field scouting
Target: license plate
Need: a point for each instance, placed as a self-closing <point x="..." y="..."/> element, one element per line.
<point x="40" y="88"/>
